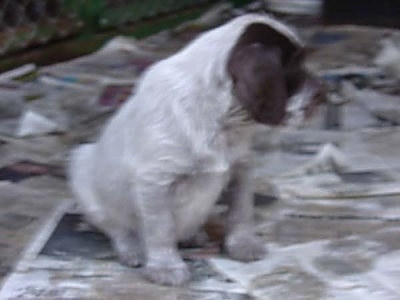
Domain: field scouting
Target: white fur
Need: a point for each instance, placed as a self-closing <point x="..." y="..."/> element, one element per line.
<point x="176" y="132"/>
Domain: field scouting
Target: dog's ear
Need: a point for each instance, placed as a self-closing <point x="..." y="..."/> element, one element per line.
<point x="295" y="72"/>
<point x="260" y="64"/>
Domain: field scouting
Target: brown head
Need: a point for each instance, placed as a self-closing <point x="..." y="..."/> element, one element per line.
<point x="266" y="69"/>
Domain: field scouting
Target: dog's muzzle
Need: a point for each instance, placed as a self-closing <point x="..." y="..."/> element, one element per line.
<point x="303" y="104"/>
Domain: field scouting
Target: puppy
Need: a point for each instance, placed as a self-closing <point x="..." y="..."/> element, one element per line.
<point x="166" y="156"/>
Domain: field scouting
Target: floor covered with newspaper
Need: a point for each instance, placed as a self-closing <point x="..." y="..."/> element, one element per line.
<point x="328" y="194"/>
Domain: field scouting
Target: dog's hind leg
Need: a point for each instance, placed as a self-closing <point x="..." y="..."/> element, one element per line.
<point x="125" y="241"/>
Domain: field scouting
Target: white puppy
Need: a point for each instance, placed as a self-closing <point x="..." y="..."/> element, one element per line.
<point x="166" y="156"/>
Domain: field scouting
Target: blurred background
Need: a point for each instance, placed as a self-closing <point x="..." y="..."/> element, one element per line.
<point x="29" y="24"/>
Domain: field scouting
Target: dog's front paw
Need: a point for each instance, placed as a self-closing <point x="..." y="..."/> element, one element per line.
<point x="129" y="251"/>
<point x="130" y="258"/>
<point x="245" y="246"/>
<point x="173" y="274"/>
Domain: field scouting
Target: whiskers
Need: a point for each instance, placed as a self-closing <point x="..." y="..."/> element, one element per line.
<point x="237" y="116"/>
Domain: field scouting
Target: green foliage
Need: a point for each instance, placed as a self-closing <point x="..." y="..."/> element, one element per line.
<point x="89" y="11"/>
<point x="99" y="15"/>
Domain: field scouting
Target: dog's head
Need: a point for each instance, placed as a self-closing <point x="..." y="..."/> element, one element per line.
<point x="269" y="79"/>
